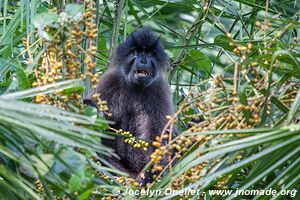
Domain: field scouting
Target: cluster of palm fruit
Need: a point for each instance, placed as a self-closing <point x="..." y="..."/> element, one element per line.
<point x="73" y="41"/>
<point x="69" y="54"/>
<point x="125" y="180"/>
<point x="91" y="35"/>
<point x="218" y="104"/>
<point x="131" y="140"/>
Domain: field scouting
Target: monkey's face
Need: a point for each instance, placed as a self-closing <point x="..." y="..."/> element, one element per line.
<point x="141" y="58"/>
<point x="141" y="67"/>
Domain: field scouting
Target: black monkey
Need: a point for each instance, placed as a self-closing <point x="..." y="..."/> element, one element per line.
<point x="138" y="97"/>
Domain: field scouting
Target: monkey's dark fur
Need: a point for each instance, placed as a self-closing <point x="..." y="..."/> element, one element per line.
<point x="137" y="95"/>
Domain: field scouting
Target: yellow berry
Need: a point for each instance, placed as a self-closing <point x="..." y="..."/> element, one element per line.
<point x="156" y="144"/>
<point x="258" y="24"/>
<point x="168" y="117"/>
<point x="136" y="184"/>
<point x="229" y="35"/>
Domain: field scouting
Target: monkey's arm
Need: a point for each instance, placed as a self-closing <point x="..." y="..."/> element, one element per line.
<point x="109" y="88"/>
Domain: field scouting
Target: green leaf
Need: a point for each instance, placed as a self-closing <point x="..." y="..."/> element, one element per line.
<point x="74" y="11"/>
<point x="244" y="101"/>
<point x="23" y="79"/>
<point x="198" y="61"/>
<point x="223" y="41"/>
<point x="8" y="176"/>
<point x="70" y="91"/>
<point x="45" y="89"/>
<point x="90" y="111"/>
<point x="294" y="109"/>
<point x="70" y="158"/>
<point x="75" y="182"/>
<point x="40" y="21"/>
<point x="38" y="166"/>
<point x="86" y="194"/>
<point x="279" y="105"/>
<point x="11" y="28"/>
<point x="283" y="55"/>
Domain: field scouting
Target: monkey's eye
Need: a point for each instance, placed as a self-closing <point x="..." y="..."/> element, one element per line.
<point x="150" y="53"/>
<point x="134" y="52"/>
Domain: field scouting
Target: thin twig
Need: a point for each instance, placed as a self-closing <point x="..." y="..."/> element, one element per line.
<point x="98" y="25"/>
<point x="117" y="19"/>
<point x="265" y="29"/>
<point x="236" y="78"/>
<point x="28" y="48"/>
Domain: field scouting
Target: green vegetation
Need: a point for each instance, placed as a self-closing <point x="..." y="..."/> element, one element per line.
<point x="234" y="63"/>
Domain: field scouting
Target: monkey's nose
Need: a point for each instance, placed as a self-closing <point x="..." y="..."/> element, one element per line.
<point x="143" y="60"/>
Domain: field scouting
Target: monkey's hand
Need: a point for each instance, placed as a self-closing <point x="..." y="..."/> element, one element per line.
<point x="91" y="102"/>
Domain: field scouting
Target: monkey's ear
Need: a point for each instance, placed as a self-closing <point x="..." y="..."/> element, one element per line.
<point x="93" y="103"/>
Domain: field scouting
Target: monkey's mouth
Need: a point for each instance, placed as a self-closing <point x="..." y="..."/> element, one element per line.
<point x="142" y="73"/>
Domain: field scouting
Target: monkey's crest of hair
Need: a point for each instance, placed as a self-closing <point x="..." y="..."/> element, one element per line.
<point x="143" y="39"/>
